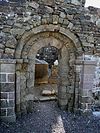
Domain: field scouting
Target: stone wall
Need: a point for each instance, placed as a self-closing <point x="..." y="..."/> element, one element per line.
<point x="7" y="90"/>
<point x="83" y="22"/>
<point x="25" y="27"/>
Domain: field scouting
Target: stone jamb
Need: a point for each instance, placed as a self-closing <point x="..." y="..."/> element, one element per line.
<point x="20" y="97"/>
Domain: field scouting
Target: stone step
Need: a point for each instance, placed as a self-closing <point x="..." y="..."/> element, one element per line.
<point x="48" y="92"/>
<point x="46" y="98"/>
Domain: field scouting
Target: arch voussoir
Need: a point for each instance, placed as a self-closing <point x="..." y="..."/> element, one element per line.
<point x="46" y="28"/>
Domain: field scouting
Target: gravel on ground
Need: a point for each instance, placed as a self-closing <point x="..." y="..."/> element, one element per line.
<point x="48" y="118"/>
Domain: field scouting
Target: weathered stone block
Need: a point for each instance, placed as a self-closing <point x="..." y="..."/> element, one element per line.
<point x="44" y="21"/>
<point x="2" y="78"/>
<point x="62" y="15"/>
<point x="62" y="103"/>
<point x="17" y="31"/>
<point x="18" y="25"/>
<point x="49" y="9"/>
<point x="86" y="99"/>
<point x="66" y="22"/>
<point x="70" y="17"/>
<point x="75" y="2"/>
<point x="70" y="26"/>
<point x="3" y="95"/>
<point x="90" y="39"/>
<point x="11" y="43"/>
<point x="11" y="95"/>
<point x="1" y="52"/>
<point x="61" y="20"/>
<point x="48" y="2"/>
<point x="11" y="103"/>
<point x="6" y="30"/>
<point x="55" y="19"/>
<point x="7" y="103"/>
<point x="8" y="68"/>
<point x="4" y="103"/>
<point x="2" y="46"/>
<point x="23" y="107"/>
<point x="62" y="92"/>
<point x="10" y="111"/>
<point x="77" y="85"/>
<point x="10" y="22"/>
<point x="11" y="77"/>
<point x="9" y="51"/>
<point x="98" y="23"/>
<point x="7" y="87"/>
<point x="30" y="106"/>
<point x="34" y="4"/>
<point x="7" y="62"/>
<point x="3" y="112"/>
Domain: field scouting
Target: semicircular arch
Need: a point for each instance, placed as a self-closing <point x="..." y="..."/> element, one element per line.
<point x="35" y="34"/>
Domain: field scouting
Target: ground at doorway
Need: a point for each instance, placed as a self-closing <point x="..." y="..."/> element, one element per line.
<point x="48" y="118"/>
<point x="45" y="92"/>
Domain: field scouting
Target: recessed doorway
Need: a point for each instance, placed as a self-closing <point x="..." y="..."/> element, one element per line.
<point x="46" y="73"/>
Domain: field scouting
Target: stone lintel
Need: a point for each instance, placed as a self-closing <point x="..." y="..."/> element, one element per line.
<point x="13" y="61"/>
<point x="89" y="62"/>
<point x="7" y="61"/>
<point x="85" y="62"/>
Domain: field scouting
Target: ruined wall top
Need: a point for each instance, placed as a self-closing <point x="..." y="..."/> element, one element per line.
<point x="46" y="2"/>
<point x="52" y="2"/>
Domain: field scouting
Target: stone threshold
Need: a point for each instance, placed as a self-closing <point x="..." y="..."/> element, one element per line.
<point x="47" y="98"/>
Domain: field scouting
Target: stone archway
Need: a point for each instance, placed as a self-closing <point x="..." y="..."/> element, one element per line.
<point x="47" y="28"/>
<point x="25" y="68"/>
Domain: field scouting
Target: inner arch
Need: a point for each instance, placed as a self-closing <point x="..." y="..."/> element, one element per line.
<point x="48" y="30"/>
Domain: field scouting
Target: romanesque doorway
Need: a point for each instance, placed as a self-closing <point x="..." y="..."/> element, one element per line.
<point x="26" y="67"/>
<point x="46" y="73"/>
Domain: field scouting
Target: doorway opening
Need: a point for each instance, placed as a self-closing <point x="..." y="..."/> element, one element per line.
<point x="46" y="73"/>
